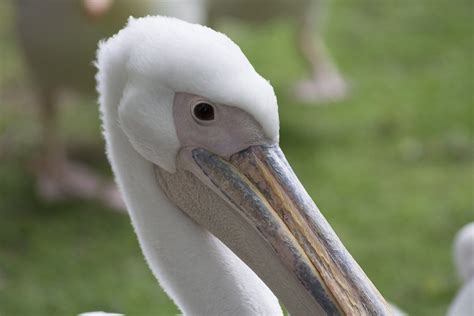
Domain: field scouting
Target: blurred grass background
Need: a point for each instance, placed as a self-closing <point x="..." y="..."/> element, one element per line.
<point x="391" y="166"/>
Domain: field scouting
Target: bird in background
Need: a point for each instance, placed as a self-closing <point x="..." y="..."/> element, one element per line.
<point x="58" y="40"/>
<point x="463" y="303"/>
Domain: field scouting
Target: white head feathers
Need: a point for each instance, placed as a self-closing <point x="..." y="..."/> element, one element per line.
<point x="154" y="57"/>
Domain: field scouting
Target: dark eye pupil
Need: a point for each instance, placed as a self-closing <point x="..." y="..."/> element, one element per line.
<point x="204" y="112"/>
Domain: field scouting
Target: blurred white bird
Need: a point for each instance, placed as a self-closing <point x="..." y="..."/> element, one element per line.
<point x="58" y="39"/>
<point x="463" y="303"/>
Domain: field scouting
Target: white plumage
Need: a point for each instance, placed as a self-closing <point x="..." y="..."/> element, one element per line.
<point x="198" y="272"/>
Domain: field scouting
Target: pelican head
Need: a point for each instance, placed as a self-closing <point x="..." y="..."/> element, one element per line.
<point x="192" y="133"/>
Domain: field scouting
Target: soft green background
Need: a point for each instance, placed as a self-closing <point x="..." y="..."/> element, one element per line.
<point x="391" y="166"/>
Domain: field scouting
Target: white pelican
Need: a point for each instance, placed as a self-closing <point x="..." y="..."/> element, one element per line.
<point x="463" y="304"/>
<point x="226" y="227"/>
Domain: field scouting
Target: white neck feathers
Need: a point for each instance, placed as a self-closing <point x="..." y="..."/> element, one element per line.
<point x="197" y="271"/>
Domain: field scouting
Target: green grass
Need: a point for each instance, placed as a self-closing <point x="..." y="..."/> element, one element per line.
<point x="391" y="166"/>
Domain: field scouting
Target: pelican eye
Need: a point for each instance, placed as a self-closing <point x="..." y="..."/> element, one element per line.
<point x="203" y="112"/>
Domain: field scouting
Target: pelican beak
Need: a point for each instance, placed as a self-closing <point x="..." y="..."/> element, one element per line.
<point x="261" y="188"/>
